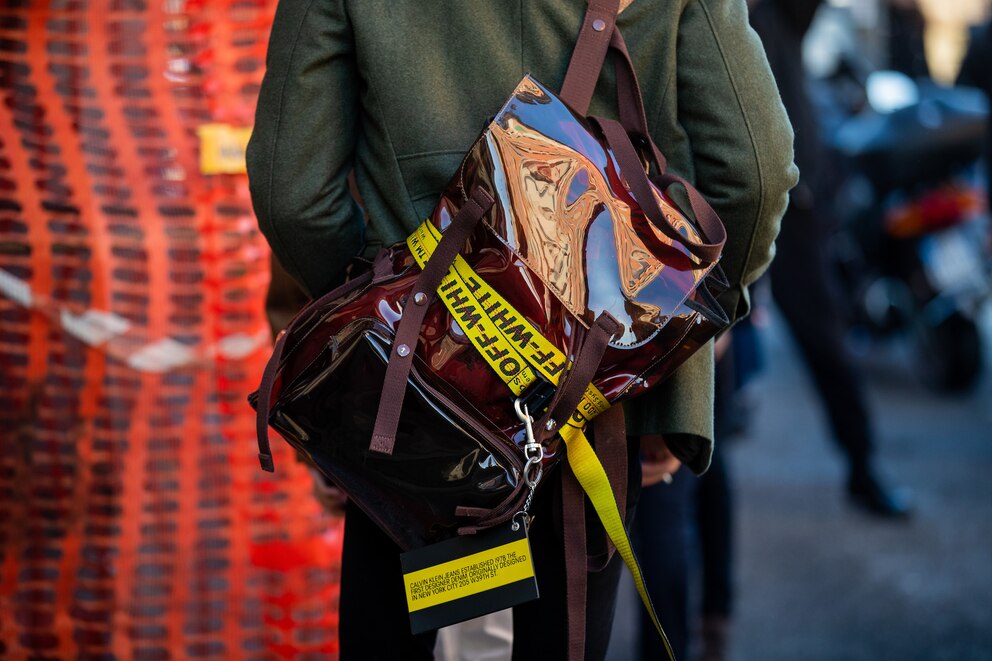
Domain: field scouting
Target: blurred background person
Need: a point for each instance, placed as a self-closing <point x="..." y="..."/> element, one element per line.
<point x="976" y="71"/>
<point x="684" y="529"/>
<point x="906" y="47"/>
<point x="801" y="274"/>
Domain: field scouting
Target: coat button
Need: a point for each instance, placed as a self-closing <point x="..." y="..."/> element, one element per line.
<point x="402" y="351"/>
<point x="420" y="298"/>
<point x="599" y="25"/>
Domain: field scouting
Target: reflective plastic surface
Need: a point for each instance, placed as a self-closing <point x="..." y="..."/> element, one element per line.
<point x="564" y="242"/>
<point x="565" y="211"/>
<point x="439" y="463"/>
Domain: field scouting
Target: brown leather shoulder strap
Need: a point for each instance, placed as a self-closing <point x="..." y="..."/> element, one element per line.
<point x="609" y="432"/>
<point x="589" y="54"/>
<point x="573" y="522"/>
<point x="598" y="37"/>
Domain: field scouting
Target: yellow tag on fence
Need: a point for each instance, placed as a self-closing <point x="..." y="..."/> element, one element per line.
<point x="222" y="148"/>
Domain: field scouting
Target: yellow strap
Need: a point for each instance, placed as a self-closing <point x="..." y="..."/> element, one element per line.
<point x="514" y="349"/>
<point x="480" y="329"/>
<point x="593" y="480"/>
<point x="472" y="302"/>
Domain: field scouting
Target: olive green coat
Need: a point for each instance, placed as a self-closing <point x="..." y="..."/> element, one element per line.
<point x="397" y="90"/>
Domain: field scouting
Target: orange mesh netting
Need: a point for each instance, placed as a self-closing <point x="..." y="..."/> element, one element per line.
<point x="134" y="521"/>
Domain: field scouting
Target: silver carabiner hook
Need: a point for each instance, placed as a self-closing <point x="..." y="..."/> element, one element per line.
<point x="533" y="450"/>
<point x="524" y="415"/>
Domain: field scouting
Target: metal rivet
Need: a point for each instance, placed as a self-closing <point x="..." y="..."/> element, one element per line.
<point x="550" y="424"/>
<point x="599" y="25"/>
<point x="402" y="351"/>
<point x="420" y="298"/>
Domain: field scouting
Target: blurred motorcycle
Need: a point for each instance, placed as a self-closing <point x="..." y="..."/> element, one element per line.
<point x="914" y="245"/>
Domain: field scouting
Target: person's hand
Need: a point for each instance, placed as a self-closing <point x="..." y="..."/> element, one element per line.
<point x="721" y="346"/>
<point x="329" y="496"/>
<point x="658" y="464"/>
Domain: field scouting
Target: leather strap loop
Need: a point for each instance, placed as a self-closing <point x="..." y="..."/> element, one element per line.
<point x="631" y="102"/>
<point x="263" y="407"/>
<point x="706" y="216"/>
<point x="408" y="332"/>
<point x="631" y="169"/>
<point x="573" y="385"/>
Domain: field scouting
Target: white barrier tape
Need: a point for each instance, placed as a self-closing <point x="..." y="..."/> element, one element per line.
<point x="114" y="335"/>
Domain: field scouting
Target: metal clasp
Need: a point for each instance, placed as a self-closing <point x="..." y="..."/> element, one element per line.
<point x="534" y="453"/>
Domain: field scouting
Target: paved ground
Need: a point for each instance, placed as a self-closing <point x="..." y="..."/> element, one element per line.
<point x="818" y="581"/>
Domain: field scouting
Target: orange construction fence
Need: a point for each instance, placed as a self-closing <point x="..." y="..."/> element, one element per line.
<point x="134" y="521"/>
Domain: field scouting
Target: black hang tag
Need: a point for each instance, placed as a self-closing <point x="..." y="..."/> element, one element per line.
<point x="468" y="576"/>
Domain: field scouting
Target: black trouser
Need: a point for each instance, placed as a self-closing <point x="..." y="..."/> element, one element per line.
<point x="664" y="541"/>
<point x="714" y="499"/>
<point x="673" y="521"/>
<point x="714" y="519"/>
<point x="373" y="618"/>
<point x="801" y="286"/>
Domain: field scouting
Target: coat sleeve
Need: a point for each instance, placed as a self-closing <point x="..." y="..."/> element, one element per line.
<point x="742" y="162"/>
<point x="302" y="146"/>
<point x="740" y="135"/>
